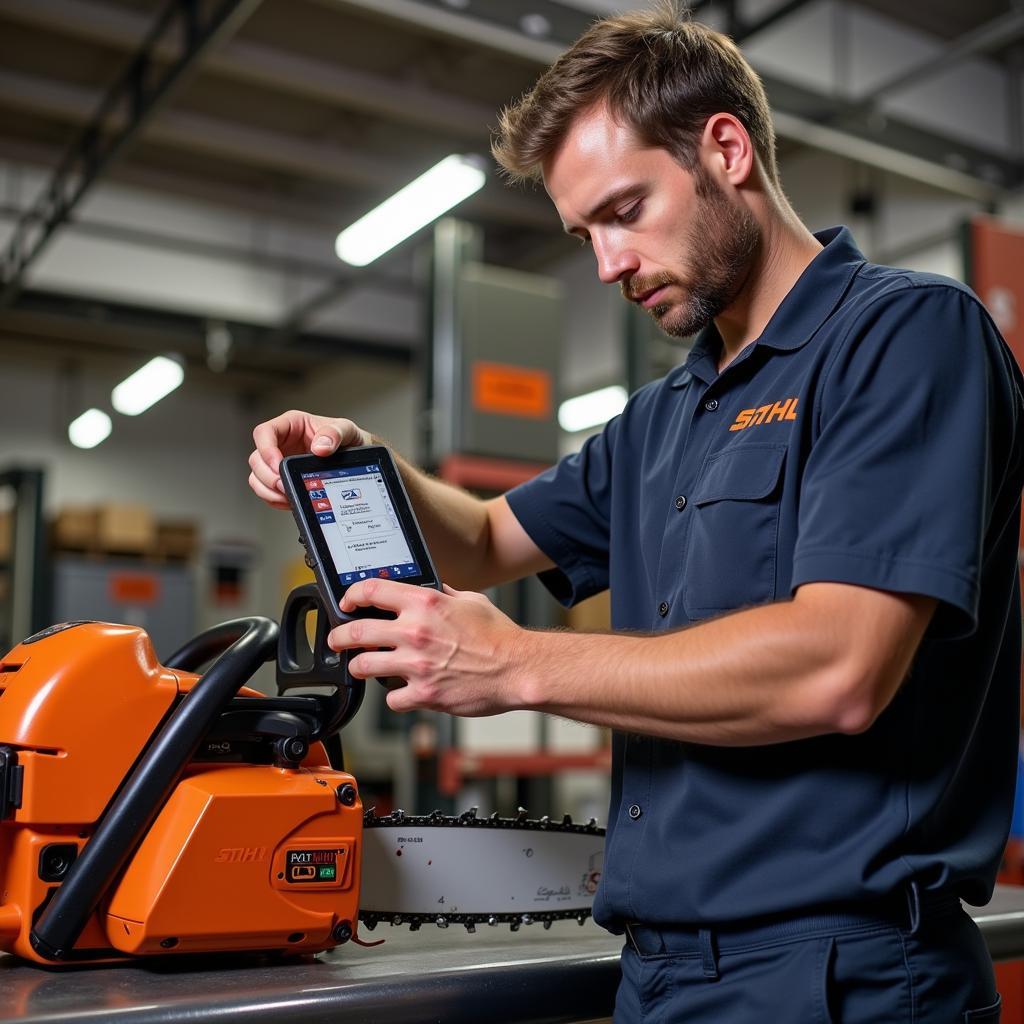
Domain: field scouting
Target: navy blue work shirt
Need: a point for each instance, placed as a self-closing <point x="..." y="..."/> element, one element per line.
<point x="872" y="435"/>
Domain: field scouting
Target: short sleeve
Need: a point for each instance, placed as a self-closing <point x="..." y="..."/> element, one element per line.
<point x="566" y="510"/>
<point x="896" y="492"/>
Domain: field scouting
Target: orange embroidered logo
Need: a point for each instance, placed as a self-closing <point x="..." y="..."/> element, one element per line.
<point x="784" y="410"/>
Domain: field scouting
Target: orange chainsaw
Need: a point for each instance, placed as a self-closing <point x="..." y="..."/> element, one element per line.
<point x="147" y="809"/>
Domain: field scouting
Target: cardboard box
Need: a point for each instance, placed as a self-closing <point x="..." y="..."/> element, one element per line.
<point x="125" y="528"/>
<point x="177" y="539"/>
<point x="76" y="528"/>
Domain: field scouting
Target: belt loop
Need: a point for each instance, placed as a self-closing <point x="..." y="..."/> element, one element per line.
<point x="914" y="907"/>
<point x="708" y="954"/>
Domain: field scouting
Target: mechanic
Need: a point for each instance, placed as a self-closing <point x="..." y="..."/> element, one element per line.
<point x="809" y="531"/>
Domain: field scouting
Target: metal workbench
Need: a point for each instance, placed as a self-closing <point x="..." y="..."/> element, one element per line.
<point x="566" y="974"/>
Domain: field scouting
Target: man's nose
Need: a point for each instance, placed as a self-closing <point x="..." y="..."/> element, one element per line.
<point x="614" y="263"/>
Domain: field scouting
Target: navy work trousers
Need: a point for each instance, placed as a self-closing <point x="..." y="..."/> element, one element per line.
<point x="931" y="967"/>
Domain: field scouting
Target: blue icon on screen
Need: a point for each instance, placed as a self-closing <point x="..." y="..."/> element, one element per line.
<point x="325" y="517"/>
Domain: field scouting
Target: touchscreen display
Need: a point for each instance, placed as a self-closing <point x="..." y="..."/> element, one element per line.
<point x="357" y="516"/>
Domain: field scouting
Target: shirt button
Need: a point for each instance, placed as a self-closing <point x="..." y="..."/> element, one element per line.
<point x="680" y="502"/>
<point x="635" y="811"/>
<point x="663" y="609"/>
<point x="711" y="404"/>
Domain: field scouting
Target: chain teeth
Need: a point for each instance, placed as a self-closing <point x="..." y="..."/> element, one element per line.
<point x="469" y="819"/>
<point x="544" y="917"/>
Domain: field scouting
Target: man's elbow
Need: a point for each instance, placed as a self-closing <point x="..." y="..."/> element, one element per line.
<point x="839" y="698"/>
<point x="854" y="697"/>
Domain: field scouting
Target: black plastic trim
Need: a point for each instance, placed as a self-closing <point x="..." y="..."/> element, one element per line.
<point x="12" y="780"/>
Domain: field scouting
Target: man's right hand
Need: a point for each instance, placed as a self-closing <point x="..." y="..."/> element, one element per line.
<point x="295" y="433"/>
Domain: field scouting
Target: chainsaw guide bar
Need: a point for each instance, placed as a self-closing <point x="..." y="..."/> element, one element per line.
<point x="462" y="869"/>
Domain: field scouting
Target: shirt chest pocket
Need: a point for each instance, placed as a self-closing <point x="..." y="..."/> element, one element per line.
<point x="734" y="530"/>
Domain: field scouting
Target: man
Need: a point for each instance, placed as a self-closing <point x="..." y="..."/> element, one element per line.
<point x="809" y="531"/>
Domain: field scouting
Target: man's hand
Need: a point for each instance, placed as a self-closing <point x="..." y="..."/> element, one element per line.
<point x="295" y="433"/>
<point x="456" y="652"/>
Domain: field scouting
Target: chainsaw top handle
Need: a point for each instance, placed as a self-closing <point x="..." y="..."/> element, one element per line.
<point x="301" y="663"/>
<point x="249" y="642"/>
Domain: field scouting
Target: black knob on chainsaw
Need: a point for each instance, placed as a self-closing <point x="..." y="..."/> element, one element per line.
<point x="291" y="749"/>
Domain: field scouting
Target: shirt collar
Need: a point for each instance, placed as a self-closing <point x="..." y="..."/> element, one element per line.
<point x="805" y="308"/>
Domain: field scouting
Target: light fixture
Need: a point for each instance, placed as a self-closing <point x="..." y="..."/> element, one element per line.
<point x="535" y="25"/>
<point x="89" y="429"/>
<point x="410" y="208"/>
<point x="591" y="409"/>
<point x="147" y="385"/>
<point x="219" y="343"/>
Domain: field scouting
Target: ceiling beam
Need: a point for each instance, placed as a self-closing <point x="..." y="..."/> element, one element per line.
<point x="257" y="147"/>
<point x="268" y="67"/>
<point x="747" y="29"/>
<point x="992" y="35"/>
<point x="265" y="202"/>
<point x="137" y="95"/>
<point x="60" y="318"/>
<point x="278" y="262"/>
<point x="889" y="151"/>
<point x="440" y="21"/>
<point x="887" y="158"/>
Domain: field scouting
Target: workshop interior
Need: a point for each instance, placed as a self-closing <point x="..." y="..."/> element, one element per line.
<point x="183" y="255"/>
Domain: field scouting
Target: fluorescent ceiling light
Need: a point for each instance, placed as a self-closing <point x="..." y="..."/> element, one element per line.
<point x="421" y="201"/>
<point x="89" y="429"/>
<point x="591" y="409"/>
<point x="147" y="385"/>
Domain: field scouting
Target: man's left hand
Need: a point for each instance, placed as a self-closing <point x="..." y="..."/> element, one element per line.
<point x="456" y="652"/>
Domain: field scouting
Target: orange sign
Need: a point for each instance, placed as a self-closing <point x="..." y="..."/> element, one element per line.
<point x="511" y="390"/>
<point x="134" y="588"/>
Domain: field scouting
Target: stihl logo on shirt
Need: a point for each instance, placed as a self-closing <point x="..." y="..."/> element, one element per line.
<point x="784" y="410"/>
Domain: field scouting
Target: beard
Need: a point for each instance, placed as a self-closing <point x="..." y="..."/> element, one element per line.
<point x="722" y="243"/>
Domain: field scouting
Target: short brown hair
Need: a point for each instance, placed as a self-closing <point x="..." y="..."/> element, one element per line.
<point x="660" y="72"/>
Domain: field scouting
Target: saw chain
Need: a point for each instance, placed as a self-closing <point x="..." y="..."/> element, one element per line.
<point x="483" y="861"/>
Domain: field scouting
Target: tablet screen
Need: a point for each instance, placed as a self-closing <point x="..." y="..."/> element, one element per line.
<point x="360" y="525"/>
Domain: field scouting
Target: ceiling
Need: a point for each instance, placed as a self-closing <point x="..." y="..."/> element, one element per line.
<point x="311" y="111"/>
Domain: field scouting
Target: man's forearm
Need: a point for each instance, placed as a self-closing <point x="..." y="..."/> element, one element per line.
<point x="455" y="525"/>
<point x="764" y="675"/>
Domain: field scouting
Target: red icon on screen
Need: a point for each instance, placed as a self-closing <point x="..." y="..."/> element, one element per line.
<point x="321" y="505"/>
<point x="383" y="573"/>
<point x="313" y="484"/>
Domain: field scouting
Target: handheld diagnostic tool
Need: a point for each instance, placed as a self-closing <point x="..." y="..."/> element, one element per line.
<point x="356" y="522"/>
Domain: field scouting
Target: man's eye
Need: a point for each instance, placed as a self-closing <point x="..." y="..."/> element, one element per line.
<point x="630" y="213"/>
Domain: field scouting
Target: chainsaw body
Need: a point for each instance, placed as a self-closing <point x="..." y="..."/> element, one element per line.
<point x="146" y="809"/>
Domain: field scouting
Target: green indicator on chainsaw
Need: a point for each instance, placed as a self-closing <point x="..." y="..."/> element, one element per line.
<point x="327" y="873"/>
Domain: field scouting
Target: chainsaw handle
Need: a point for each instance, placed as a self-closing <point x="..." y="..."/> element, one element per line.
<point x="211" y="643"/>
<point x="127" y="818"/>
<point x="304" y="664"/>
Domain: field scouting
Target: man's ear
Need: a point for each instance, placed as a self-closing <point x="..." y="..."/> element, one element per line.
<point x="727" y="150"/>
